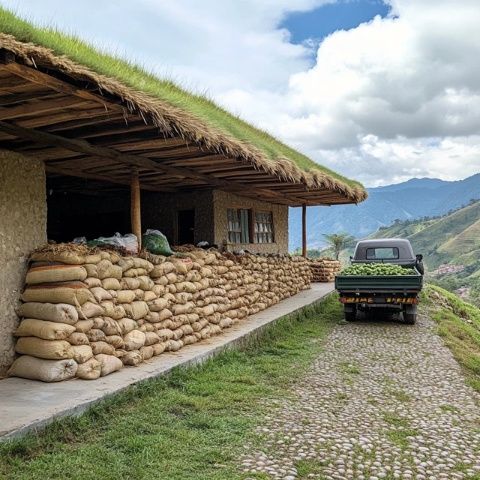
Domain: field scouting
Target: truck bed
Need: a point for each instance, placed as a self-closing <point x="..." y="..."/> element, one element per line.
<point x="379" y="283"/>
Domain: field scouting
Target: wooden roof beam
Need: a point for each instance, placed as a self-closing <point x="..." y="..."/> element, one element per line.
<point x="82" y="146"/>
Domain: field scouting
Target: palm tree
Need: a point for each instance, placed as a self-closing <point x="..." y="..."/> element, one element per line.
<point x="338" y="241"/>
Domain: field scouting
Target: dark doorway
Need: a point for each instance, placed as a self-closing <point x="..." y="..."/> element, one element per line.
<point x="186" y="226"/>
<point x="84" y="208"/>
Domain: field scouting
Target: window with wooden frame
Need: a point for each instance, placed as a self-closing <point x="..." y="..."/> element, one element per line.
<point x="238" y="225"/>
<point x="263" y="232"/>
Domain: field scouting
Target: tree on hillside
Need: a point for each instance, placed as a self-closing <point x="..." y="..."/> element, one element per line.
<point x="339" y="241"/>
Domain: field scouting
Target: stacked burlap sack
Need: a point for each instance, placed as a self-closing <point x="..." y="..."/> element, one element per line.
<point x="88" y="312"/>
<point x="324" y="269"/>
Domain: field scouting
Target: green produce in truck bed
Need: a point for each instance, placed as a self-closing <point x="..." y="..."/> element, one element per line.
<point x="377" y="269"/>
<point x="385" y="276"/>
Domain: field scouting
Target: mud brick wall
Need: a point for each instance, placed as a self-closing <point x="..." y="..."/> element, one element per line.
<point x="23" y="217"/>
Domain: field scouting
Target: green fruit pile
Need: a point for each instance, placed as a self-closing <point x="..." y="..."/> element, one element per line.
<point x="377" y="269"/>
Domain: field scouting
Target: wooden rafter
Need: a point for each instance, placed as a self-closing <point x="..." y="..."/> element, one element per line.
<point x="83" y="146"/>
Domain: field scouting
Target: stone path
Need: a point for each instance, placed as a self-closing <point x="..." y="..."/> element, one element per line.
<point x="384" y="401"/>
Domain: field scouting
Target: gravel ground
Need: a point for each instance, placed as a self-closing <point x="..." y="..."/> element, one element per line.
<point x="384" y="401"/>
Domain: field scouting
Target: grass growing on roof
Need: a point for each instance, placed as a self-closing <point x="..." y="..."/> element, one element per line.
<point x="191" y="424"/>
<point x="140" y="79"/>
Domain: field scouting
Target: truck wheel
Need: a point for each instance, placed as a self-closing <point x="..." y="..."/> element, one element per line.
<point x="350" y="314"/>
<point x="410" y="314"/>
<point x="410" y="318"/>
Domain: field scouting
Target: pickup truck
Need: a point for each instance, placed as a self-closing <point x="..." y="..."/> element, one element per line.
<point x="388" y="293"/>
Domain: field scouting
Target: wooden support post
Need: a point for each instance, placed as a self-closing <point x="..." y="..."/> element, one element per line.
<point x="304" y="230"/>
<point x="135" y="207"/>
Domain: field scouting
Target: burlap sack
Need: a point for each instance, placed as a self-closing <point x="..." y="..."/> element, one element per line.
<point x="82" y="353"/>
<point x="146" y="352"/>
<point x="159" y="348"/>
<point x="83" y="326"/>
<point x="165" y="334"/>
<point x="136" y="310"/>
<point x="48" y="349"/>
<point x="158" y="304"/>
<point x="139" y="294"/>
<point x="59" y="312"/>
<point x="134" y="340"/>
<point x="73" y="293"/>
<point x="174" y="345"/>
<point x="43" y="370"/>
<point x="90" y="370"/>
<point x="134" y="272"/>
<point x="114" y="311"/>
<point x="146" y="283"/>
<point x="95" y="335"/>
<point x="109" y="364"/>
<point x="132" y="358"/>
<point x="102" y="348"/>
<point x="129" y="283"/>
<point x="93" y="282"/>
<point x="127" y="325"/>
<point x="44" y="329"/>
<point x="100" y="294"/>
<point x="162" y="269"/>
<point x="149" y="296"/>
<point x="189" y="339"/>
<point x="90" y="310"/>
<point x="71" y="258"/>
<point x="151" y="338"/>
<point x="111" y="326"/>
<point x="111" y="283"/>
<point x="125" y="296"/>
<point x="115" y="340"/>
<point x="181" y="309"/>
<point x="78" y="338"/>
<point x="55" y="273"/>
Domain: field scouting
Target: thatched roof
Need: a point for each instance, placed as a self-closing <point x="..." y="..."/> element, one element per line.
<point x="174" y="111"/>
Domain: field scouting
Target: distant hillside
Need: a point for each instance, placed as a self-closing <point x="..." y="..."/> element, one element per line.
<point x="443" y="240"/>
<point x="414" y="199"/>
<point x="453" y="240"/>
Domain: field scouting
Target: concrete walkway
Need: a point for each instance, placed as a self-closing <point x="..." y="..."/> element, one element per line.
<point x="28" y="405"/>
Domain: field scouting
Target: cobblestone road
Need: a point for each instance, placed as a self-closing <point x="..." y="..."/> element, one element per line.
<point x="384" y="401"/>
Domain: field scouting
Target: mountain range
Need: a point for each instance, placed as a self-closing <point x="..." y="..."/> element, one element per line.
<point x="414" y="199"/>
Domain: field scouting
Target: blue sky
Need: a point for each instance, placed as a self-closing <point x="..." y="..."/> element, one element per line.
<point x="320" y="22"/>
<point x="380" y="91"/>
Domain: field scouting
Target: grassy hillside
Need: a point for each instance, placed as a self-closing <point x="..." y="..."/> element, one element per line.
<point x="453" y="239"/>
<point x="442" y="239"/>
<point x="459" y="325"/>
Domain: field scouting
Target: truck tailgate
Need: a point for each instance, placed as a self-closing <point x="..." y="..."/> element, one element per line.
<point x="379" y="283"/>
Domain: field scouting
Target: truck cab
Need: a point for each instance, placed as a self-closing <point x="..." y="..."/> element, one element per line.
<point x="391" y="293"/>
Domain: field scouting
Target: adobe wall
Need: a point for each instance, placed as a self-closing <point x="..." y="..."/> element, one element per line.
<point x="224" y="200"/>
<point x="23" y="218"/>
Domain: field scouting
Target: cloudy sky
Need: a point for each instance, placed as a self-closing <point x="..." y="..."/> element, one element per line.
<point x="379" y="90"/>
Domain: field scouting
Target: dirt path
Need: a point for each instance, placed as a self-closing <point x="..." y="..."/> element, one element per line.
<point x="384" y="401"/>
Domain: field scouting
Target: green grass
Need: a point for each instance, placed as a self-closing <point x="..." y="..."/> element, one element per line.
<point x="141" y="79"/>
<point x="400" y="431"/>
<point x="306" y="467"/>
<point x="191" y="424"/>
<point x="459" y="325"/>
<point x="350" y="368"/>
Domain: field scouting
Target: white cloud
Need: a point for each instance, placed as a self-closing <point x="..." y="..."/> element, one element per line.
<point x="393" y="98"/>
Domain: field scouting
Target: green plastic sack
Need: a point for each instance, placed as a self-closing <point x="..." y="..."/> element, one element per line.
<point x="156" y="242"/>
